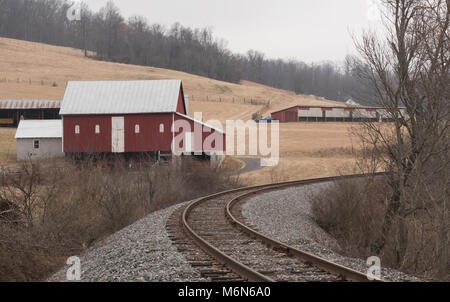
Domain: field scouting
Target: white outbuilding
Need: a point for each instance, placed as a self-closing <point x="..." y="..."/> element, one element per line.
<point x="39" y="139"/>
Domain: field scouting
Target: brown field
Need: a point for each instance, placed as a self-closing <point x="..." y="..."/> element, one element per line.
<point x="223" y="111"/>
<point x="7" y="146"/>
<point x="42" y="65"/>
<point x="310" y="150"/>
<point x="37" y="71"/>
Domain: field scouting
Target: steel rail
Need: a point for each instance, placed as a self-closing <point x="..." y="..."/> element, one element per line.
<point x="242" y="269"/>
<point x="345" y="272"/>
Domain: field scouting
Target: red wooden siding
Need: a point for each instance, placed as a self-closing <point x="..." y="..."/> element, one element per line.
<point x="279" y="116"/>
<point x="180" y="106"/>
<point x="149" y="138"/>
<point x="288" y="115"/>
<point x="87" y="140"/>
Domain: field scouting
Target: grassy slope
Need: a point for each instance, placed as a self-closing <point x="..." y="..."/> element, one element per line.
<point x="28" y="71"/>
<point x="23" y="62"/>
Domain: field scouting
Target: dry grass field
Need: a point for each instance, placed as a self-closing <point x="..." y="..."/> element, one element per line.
<point x="42" y="65"/>
<point x="38" y="71"/>
<point x="310" y="150"/>
<point x="7" y="146"/>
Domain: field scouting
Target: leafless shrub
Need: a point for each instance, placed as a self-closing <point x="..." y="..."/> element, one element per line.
<point x="231" y="165"/>
<point x="49" y="213"/>
<point x="352" y="212"/>
<point x="256" y="115"/>
<point x="278" y="173"/>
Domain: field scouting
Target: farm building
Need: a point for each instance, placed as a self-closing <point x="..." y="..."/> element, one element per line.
<point x="39" y="139"/>
<point x="332" y="114"/>
<point x="133" y="117"/>
<point x="12" y="111"/>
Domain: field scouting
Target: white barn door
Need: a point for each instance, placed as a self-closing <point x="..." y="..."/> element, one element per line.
<point x="118" y="134"/>
<point x="189" y="142"/>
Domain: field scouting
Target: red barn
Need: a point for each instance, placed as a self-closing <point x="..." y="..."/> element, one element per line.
<point x="286" y="115"/>
<point x="133" y="117"/>
<point x="333" y="114"/>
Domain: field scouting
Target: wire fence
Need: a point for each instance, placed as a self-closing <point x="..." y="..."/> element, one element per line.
<point x="203" y="98"/>
<point x="32" y="82"/>
<point x="232" y="100"/>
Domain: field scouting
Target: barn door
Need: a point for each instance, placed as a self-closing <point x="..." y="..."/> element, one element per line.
<point x="118" y="134"/>
<point x="188" y="142"/>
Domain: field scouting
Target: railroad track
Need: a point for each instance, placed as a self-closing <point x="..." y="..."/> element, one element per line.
<point x="215" y="240"/>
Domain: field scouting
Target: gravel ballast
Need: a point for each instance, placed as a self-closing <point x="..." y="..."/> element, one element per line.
<point x="144" y="252"/>
<point x="286" y="215"/>
<point x="140" y="252"/>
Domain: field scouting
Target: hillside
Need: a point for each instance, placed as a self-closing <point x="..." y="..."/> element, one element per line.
<point x="30" y="70"/>
<point x="37" y="71"/>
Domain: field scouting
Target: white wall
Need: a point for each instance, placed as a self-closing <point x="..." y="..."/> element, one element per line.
<point x="363" y="113"/>
<point x="48" y="148"/>
<point x="339" y="113"/>
<point x="312" y="112"/>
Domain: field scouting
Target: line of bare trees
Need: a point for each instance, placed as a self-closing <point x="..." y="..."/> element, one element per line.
<point x="196" y="51"/>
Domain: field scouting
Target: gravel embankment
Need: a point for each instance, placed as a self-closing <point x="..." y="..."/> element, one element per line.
<point x="286" y="215"/>
<point x="140" y="252"/>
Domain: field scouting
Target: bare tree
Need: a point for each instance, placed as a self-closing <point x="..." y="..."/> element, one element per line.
<point x="409" y="70"/>
<point x="21" y="190"/>
<point x="112" y="22"/>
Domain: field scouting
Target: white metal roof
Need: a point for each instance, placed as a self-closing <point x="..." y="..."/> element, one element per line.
<point x="39" y="129"/>
<point x="186" y="103"/>
<point x="29" y="104"/>
<point x="201" y="123"/>
<point x="121" y="97"/>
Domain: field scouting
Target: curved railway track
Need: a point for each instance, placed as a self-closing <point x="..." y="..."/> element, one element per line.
<point x="230" y="250"/>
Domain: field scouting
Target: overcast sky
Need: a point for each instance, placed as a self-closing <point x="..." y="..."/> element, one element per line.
<point x="307" y="30"/>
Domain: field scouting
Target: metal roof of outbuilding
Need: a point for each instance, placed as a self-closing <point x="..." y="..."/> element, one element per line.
<point x="121" y="97"/>
<point x="334" y="107"/>
<point x="200" y="122"/>
<point x="30" y="104"/>
<point x="39" y="129"/>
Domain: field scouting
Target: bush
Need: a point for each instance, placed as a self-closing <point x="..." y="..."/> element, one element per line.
<point x="352" y="211"/>
<point x="59" y="211"/>
<point x="256" y="115"/>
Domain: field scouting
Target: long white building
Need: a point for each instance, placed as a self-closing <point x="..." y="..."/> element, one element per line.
<point x="333" y="114"/>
